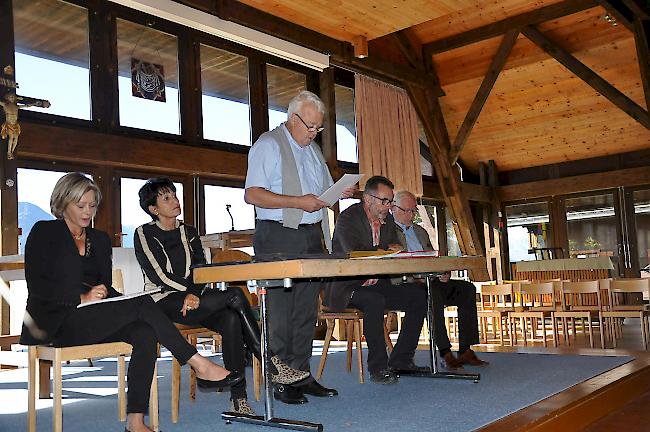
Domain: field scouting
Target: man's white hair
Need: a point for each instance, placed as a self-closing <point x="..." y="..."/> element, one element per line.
<point x="305" y="96"/>
<point x="401" y="194"/>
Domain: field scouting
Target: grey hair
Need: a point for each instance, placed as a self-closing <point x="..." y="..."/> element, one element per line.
<point x="401" y="194"/>
<point x="69" y="189"/>
<point x="305" y="96"/>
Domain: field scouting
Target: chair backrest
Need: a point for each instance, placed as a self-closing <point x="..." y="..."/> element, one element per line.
<point x="541" y="294"/>
<point x="497" y="296"/>
<point x="125" y="260"/>
<point x="118" y="280"/>
<point x="583" y="295"/>
<point x="628" y="293"/>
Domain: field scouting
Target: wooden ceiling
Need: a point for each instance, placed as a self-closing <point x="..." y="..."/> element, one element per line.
<point x="538" y="112"/>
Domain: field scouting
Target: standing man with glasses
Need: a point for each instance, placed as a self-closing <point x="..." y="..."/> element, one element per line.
<point x="286" y="175"/>
<point x="444" y="290"/>
<point x="369" y="226"/>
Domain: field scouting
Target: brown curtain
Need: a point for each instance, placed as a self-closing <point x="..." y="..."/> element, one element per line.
<point x="387" y="134"/>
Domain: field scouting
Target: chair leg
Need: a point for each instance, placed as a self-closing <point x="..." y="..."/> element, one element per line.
<point x="176" y="389"/>
<point x="590" y="326"/>
<point x="349" y="336"/>
<point x="121" y="387"/>
<point x="326" y="346"/>
<point x="644" y="335"/>
<point x="57" y="419"/>
<point x="257" y="378"/>
<point x="524" y="329"/>
<point x="357" y="337"/>
<point x="602" y="324"/>
<point x="543" y="321"/>
<point x="32" y="365"/>
<point x="153" y="400"/>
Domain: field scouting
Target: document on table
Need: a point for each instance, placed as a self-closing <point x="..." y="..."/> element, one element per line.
<point x="119" y="298"/>
<point x="332" y="195"/>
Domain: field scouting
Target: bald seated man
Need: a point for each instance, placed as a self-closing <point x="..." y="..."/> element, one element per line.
<point x="444" y="290"/>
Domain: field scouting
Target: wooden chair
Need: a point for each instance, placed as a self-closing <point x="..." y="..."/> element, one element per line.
<point x="538" y="301"/>
<point x="626" y="301"/>
<point x="580" y="300"/>
<point x="496" y="302"/>
<point x="350" y="320"/>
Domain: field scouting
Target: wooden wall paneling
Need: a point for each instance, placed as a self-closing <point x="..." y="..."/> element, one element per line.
<point x="109" y="213"/>
<point x="103" y="65"/>
<point x="427" y="106"/>
<point x="589" y="76"/>
<point x="488" y="31"/>
<point x="189" y="76"/>
<point x="46" y="142"/>
<point x="259" y="101"/>
<point x="8" y="189"/>
<point x="475" y="108"/>
<point x="642" y="41"/>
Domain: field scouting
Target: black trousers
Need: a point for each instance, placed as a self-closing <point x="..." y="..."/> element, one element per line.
<point x="214" y="313"/>
<point x="137" y="321"/>
<point x="292" y="312"/>
<point x="463" y="295"/>
<point x="373" y="300"/>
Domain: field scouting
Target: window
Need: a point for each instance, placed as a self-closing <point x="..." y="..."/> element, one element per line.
<point x="220" y="199"/>
<point x="642" y="221"/>
<point x="224" y="83"/>
<point x="132" y="215"/>
<point x="52" y="55"/>
<point x="592" y="225"/>
<point x="34" y="192"/>
<point x="346" y="135"/>
<point x="528" y="229"/>
<point x="135" y="41"/>
<point x="282" y="86"/>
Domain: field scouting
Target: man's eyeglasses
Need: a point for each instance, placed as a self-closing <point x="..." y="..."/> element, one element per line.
<point x="384" y="201"/>
<point x="412" y="211"/>
<point x="310" y="128"/>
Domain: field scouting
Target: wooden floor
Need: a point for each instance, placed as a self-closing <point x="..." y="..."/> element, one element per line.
<point x="617" y="400"/>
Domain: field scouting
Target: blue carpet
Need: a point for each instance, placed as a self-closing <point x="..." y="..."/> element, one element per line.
<point x="511" y="382"/>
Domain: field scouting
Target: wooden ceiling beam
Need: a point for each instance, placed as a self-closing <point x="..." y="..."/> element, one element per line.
<point x="642" y="40"/>
<point x="498" y="28"/>
<point x="625" y="11"/>
<point x="484" y="90"/>
<point x="588" y="76"/>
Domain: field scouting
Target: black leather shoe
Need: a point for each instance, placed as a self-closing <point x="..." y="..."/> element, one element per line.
<point x="383" y="377"/>
<point x="289" y="395"/>
<point x="315" y="389"/>
<point x="410" y="368"/>
<point x="230" y="380"/>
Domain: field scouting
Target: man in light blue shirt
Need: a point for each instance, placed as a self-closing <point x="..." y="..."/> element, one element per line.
<point x="286" y="175"/>
<point x="445" y="291"/>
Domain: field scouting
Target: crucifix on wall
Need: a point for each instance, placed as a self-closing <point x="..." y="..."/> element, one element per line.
<point x="11" y="103"/>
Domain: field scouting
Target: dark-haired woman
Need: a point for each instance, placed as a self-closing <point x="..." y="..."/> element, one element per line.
<point x="68" y="263"/>
<point x="166" y="249"/>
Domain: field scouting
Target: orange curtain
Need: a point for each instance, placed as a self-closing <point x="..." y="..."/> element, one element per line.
<point x="387" y="134"/>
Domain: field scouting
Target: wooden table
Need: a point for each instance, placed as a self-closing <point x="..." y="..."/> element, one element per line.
<point x="260" y="273"/>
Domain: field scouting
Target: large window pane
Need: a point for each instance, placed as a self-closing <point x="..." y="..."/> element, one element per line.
<point x="217" y="220"/>
<point x="132" y="215"/>
<point x="591" y="225"/>
<point x="224" y="83"/>
<point x="282" y="85"/>
<point x="151" y="46"/>
<point x="52" y="55"/>
<point x="34" y="191"/>
<point x="642" y="220"/>
<point x="528" y="228"/>
<point x="346" y="135"/>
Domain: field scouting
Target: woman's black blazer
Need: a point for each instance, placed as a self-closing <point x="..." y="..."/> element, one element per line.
<point x="53" y="270"/>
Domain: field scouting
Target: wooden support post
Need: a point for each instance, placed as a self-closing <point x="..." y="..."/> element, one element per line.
<point x="110" y="208"/>
<point x="328" y="136"/>
<point x="259" y="102"/>
<point x="642" y="40"/>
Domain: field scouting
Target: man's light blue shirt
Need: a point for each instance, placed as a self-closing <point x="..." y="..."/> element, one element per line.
<point x="265" y="171"/>
<point x="412" y="242"/>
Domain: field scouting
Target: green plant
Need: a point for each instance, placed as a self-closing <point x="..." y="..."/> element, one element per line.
<point x="590" y="243"/>
<point x="573" y="245"/>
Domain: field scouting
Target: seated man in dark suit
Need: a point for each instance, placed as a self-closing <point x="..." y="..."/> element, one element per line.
<point x="369" y="226"/>
<point x="444" y="291"/>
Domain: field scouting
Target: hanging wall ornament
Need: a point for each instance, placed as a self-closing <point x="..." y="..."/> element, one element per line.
<point x="147" y="80"/>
